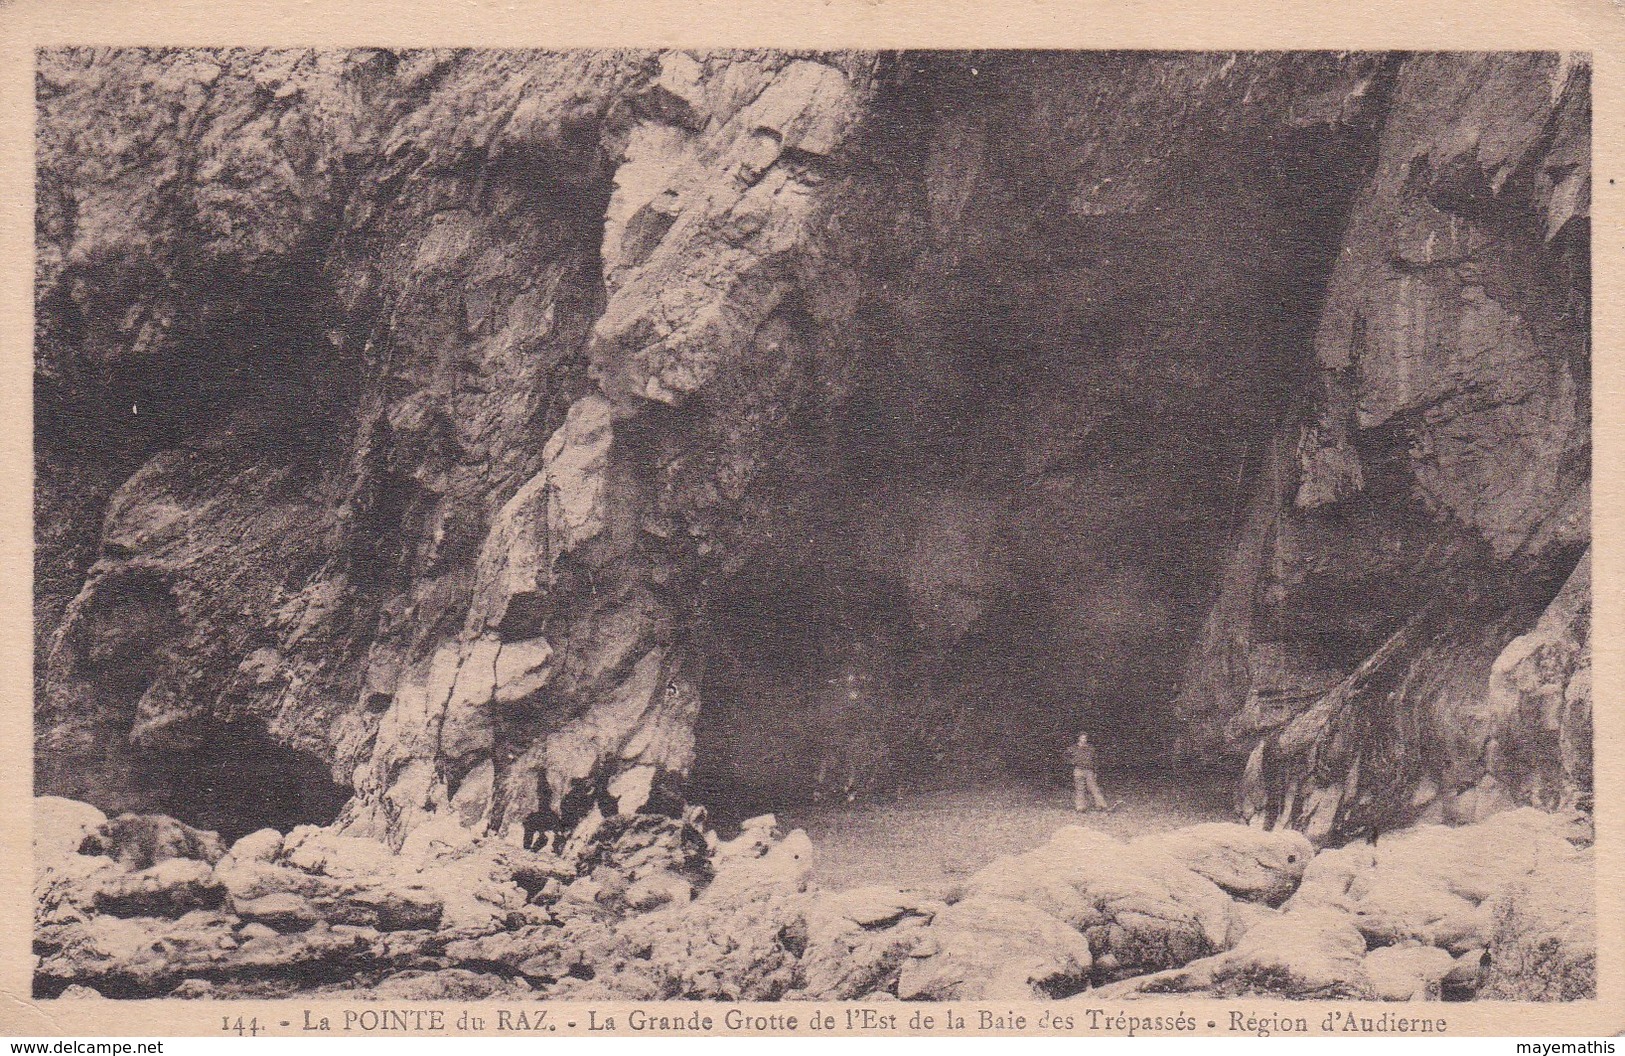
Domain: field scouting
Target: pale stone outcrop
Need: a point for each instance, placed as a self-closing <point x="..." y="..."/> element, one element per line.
<point x="1140" y="908"/>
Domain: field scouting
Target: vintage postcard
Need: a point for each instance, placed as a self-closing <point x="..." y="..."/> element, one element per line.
<point x="857" y="518"/>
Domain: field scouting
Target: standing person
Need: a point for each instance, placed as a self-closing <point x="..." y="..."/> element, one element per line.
<point x="1082" y="758"/>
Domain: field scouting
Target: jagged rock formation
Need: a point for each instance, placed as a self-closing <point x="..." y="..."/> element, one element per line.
<point x="1445" y="477"/>
<point x="494" y="436"/>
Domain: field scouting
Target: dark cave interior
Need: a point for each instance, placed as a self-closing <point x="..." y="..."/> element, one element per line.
<point x="1037" y="449"/>
<point x="258" y="784"/>
<point x="1044" y="458"/>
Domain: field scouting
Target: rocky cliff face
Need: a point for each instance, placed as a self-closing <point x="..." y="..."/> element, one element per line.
<point x="1444" y="478"/>
<point x="495" y="433"/>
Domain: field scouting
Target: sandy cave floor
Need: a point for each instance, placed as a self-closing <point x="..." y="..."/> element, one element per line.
<point x="922" y="838"/>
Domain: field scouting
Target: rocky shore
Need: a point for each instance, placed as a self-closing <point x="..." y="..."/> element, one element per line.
<point x="648" y="907"/>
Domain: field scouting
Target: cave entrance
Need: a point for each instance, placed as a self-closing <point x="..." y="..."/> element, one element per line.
<point x="959" y="629"/>
<point x="1041" y="449"/>
<point x="1015" y="537"/>
<point x="237" y="781"/>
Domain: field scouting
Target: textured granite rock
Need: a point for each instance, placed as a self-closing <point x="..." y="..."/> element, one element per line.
<point x="1439" y="497"/>
<point x="419" y="433"/>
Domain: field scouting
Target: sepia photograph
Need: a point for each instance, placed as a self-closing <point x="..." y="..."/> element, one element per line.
<point x="875" y="527"/>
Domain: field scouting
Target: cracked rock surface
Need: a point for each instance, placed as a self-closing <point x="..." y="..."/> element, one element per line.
<point x="452" y="457"/>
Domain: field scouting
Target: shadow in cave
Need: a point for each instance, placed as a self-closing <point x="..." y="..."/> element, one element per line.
<point x="1049" y="440"/>
<point x="239" y="782"/>
<point x="990" y="564"/>
<point x="823" y="697"/>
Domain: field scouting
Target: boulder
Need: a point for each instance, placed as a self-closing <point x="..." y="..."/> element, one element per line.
<point x="740" y="939"/>
<point x="366" y="888"/>
<point x="576" y="948"/>
<point x="388" y="907"/>
<point x="1307" y="954"/>
<point x="480" y="884"/>
<point x="1466" y="976"/>
<point x="135" y="956"/>
<point x="437" y="838"/>
<point x="445" y="876"/>
<point x="472" y="892"/>
<point x="855" y="962"/>
<point x="1332" y="875"/>
<point x="857" y="941"/>
<point x="1432" y="883"/>
<point x="742" y="947"/>
<point x="60" y="827"/>
<point x="1407" y="973"/>
<point x="1252" y="864"/>
<point x="987" y="948"/>
<point x="757" y="836"/>
<point x="640" y="846"/>
<point x="195" y="990"/>
<point x="67" y="891"/>
<point x="317" y="850"/>
<point x="875" y="906"/>
<point x="330" y="946"/>
<point x="1543" y="942"/>
<point x="281" y="912"/>
<point x="784" y="868"/>
<point x="1138" y="906"/>
<point x="247" y="880"/>
<point x="261" y="846"/>
<point x="1246" y="916"/>
<point x="171" y="888"/>
<point x="1397" y="906"/>
<point x="656" y="890"/>
<point x="138" y="841"/>
<point x="508" y="949"/>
